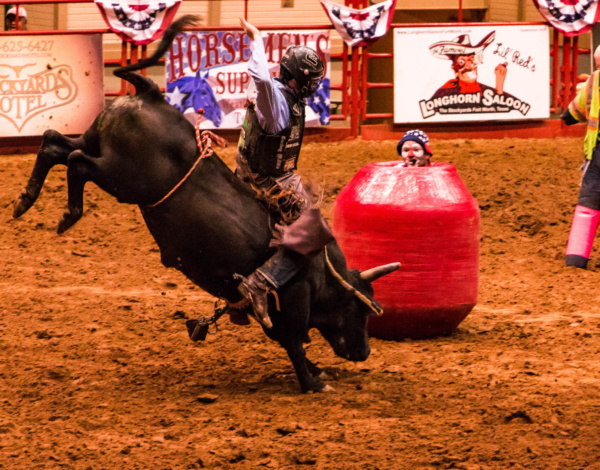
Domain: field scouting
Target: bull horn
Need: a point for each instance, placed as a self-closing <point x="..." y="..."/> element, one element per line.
<point x="373" y="274"/>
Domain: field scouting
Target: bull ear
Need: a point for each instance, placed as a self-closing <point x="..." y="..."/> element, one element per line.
<point x="372" y="274"/>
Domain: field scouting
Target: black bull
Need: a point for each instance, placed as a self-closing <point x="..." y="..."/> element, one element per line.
<point x="212" y="226"/>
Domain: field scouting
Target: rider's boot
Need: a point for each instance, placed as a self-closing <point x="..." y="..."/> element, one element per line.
<point x="276" y="272"/>
<point x="255" y="288"/>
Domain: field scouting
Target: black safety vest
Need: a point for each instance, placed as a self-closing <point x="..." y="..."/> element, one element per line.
<point x="273" y="154"/>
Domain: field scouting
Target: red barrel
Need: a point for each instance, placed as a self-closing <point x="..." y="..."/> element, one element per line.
<point x="426" y="219"/>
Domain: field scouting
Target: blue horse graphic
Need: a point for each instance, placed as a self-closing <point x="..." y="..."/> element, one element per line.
<point x="196" y="93"/>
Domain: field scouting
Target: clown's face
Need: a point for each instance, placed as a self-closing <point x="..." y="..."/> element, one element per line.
<point x="465" y="67"/>
<point x="413" y="154"/>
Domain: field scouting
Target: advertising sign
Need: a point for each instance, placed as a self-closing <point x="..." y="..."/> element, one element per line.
<point x="471" y="73"/>
<point x="50" y="82"/>
<point x="209" y="71"/>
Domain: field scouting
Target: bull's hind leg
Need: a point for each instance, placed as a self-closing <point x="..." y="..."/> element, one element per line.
<point x="81" y="168"/>
<point x="54" y="150"/>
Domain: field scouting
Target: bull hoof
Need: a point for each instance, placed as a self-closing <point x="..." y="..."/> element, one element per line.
<point x="324" y="376"/>
<point x="319" y="387"/>
<point x="67" y="221"/>
<point x="324" y="389"/>
<point x="22" y="205"/>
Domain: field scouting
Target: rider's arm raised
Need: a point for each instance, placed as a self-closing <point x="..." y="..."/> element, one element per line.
<point x="271" y="107"/>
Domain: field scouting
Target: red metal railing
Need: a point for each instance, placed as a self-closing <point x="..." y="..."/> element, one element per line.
<point x="343" y="86"/>
<point x="564" y="80"/>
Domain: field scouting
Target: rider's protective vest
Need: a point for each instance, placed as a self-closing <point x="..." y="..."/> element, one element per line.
<point x="273" y="154"/>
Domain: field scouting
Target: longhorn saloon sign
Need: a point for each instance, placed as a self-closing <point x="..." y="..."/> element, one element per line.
<point x="50" y="82"/>
<point x="471" y="73"/>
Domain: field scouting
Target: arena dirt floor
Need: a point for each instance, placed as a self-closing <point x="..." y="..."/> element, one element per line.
<point x="97" y="370"/>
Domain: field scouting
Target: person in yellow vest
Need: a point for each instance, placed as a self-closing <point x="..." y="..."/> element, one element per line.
<point x="585" y="107"/>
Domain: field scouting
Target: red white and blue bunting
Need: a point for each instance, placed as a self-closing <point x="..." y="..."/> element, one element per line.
<point x="572" y="17"/>
<point x="359" y="28"/>
<point x="138" y="21"/>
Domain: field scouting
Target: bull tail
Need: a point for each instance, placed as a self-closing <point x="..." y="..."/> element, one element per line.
<point x="168" y="37"/>
<point x="141" y="83"/>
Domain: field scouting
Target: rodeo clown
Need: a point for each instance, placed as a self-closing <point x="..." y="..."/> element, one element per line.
<point x="268" y="151"/>
<point x="586" y="108"/>
<point x="414" y="149"/>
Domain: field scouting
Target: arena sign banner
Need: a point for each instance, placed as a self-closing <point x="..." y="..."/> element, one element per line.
<point x="50" y="82"/>
<point x="572" y="17"/>
<point x="209" y="71"/>
<point x="471" y="73"/>
<point x="138" y="21"/>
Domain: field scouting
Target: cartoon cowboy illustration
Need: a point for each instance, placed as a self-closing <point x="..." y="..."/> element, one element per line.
<point x="465" y="60"/>
<point x="464" y="94"/>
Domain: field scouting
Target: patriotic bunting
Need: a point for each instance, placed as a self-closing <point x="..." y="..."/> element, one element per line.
<point x="360" y="28"/>
<point x="138" y="21"/>
<point x="572" y="17"/>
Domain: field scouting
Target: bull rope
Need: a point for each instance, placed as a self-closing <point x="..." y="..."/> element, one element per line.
<point x="204" y="141"/>
<point x="349" y="287"/>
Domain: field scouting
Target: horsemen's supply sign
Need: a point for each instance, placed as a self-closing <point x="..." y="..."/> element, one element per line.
<point x="471" y="73"/>
<point x="50" y="82"/>
<point x="209" y="71"/>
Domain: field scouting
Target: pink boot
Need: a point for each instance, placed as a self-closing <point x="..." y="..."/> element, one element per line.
<point x="581" y="238"/>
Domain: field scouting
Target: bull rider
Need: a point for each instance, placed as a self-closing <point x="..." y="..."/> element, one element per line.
<point x="268" y="151"/>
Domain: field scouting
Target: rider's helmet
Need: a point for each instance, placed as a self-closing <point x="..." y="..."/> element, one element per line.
<point x="305" y="65"/>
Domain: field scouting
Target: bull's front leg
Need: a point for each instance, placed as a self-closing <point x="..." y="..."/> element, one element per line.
<point x="309" y="383"/>
<point x="290" y="330"/>
<point x="54" y="150"/>
<point x="316" y="371"/>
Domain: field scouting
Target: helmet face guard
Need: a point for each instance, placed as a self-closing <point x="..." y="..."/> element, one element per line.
<point x="304" y="65"/>
<point x="312" y="86"/>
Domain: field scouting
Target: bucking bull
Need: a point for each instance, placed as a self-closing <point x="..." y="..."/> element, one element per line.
<point x="207" y="223"/>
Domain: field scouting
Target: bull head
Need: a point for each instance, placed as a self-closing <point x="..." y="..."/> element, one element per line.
<point x="373" y="274"/>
